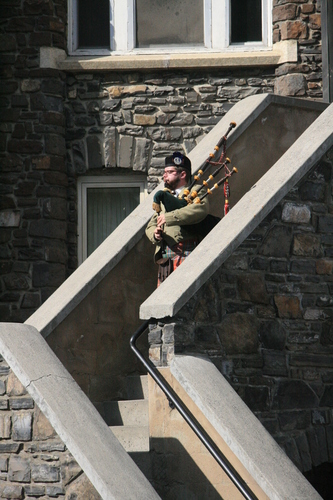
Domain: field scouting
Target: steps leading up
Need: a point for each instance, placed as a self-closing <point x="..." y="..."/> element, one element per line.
<point x="129" y="420"/>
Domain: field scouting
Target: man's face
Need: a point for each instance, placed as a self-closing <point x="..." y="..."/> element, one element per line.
<point x="173" y="179"/>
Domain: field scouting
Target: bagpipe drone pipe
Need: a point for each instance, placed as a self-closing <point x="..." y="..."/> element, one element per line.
<point x="190" y="195"/>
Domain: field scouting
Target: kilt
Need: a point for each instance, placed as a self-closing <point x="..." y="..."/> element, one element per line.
<point x="175" y="255"/>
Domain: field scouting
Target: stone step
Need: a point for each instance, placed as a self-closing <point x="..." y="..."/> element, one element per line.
<point x="130" y="412"/>
<point x="137" y="386"/>
<point x="132" y="438"/>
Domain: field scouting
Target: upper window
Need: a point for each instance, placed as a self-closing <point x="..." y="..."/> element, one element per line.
<point x="143" y="26"/>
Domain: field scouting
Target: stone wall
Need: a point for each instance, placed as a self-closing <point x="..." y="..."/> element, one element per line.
<point x="265" y="320"/>
<point x="34" y="462"/>
<point x="299" y="20"/>
<point x="56" y="127"/>
<point x="34" y="184"/>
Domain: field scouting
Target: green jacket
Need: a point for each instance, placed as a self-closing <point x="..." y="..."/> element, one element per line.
<point x="174" y="230"/>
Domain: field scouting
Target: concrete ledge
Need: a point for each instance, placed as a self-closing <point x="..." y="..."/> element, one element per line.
<point x="244" y="217"/>
<point x="285" y="51"/>
<point x="241" y="430"/>
<point x="72" y="415"/>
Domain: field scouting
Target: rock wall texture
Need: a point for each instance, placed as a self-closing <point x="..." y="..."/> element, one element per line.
<point x="57" y="126"/>
<point x="34" y="462"/>
<point x="265" y="320"/>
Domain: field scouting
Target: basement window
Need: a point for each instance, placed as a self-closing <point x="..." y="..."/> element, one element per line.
<point x="103" y="203"/>
<point x="117" y="27"/>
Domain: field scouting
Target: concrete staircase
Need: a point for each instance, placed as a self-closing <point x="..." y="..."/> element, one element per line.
<point x="129" y="421"/>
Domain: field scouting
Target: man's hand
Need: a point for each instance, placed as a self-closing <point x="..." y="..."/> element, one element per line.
<point x="160" y="220"/>
<point x="158" y="234"/>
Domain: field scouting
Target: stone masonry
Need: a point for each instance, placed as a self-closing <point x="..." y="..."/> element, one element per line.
<point x="56" y="127"/>
<point x="34" y="462"/>
<point x="265" y="320"/>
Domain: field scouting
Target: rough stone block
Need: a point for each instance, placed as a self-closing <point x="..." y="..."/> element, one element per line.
<point x="24" y="146"/>
<point x="294" y="30"/>
<point x="42" y="429"/>
<point x="21" y="403"/>
<point x="297" y="214"/>
<point x="307" y="245"/>
<point x="318" y="447"/>
<point x="11" y="491"/>
<point x="19" y="470"/>
<point x="125" y="152"/>
<point x="14" y="386"/>
<point x="9" y="447"/>
<point x="275" y="364"/>
<point x="5" y="426"/>
<point x="55" y="145"/>
<point x="284" y="12"/>
<point x="45" y="473"/>
<point x="48" y="274"/>
<point x="95" y="152"/>
<point x="293" y="395"/>
<point x="110" y="135"/>
<point x="277" y="242"/>
<point x="141" y="155"/>
<point x="252" y="288"/>
<point x="312" y="191"/>
<point x="32" y="490"/>
<point x="82" y="488"/>
<point x="10" y="218"/>
<point x="22" y="426"/>
<point x="55" y="208"/>
<point x="290" y="85"/>
<point x="324" y="266"/>
<point x="238" y="333"/>
<point x="54" y="229"/>
<point x="3" y="464"/>
<point x="288" y="306"/>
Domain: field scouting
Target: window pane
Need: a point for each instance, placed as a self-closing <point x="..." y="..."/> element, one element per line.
<point x="94" y="26"/>
<point x="169" y="22"/>
<point x="106" y="209"/>
<point x="246" y="21"/>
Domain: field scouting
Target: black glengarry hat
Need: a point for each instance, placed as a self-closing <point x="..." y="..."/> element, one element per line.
<point x="178" y="160"/>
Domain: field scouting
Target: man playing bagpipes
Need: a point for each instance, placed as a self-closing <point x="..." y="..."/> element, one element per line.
<point x="170" y="228"/>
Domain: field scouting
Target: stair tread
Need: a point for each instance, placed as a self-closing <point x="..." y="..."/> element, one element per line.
<point x="128" y="412"/>
<point x="132" y="438"/>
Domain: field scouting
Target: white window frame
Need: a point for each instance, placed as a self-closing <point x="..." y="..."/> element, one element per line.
<point x="216" y="33"/>
<point x="85" y="183"/>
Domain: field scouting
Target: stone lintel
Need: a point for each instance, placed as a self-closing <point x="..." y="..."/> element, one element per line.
<point x="282" y="52"/>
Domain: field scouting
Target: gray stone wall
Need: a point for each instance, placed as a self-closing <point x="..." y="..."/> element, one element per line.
<point x="34" y="462"/>
<point x="299" y="20"/>
<point x="265" y="320"/>
<point x="33" y="199"/>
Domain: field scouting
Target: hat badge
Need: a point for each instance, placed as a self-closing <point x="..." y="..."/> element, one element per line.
<point x="178" y="159"/>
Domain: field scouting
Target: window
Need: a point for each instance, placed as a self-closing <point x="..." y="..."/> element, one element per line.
<point x="103" y="204"/>
<point x="150" y="26"/>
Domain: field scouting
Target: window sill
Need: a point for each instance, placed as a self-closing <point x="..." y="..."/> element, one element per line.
<point x="282" y="52"/>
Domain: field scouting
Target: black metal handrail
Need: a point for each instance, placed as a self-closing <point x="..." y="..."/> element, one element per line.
<point x="190" y="419"/>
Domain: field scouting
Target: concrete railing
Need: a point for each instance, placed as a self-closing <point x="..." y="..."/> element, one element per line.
<point x="244" y="217"/>
<point x="72" y="415"/>
<point x="241" y="430"/>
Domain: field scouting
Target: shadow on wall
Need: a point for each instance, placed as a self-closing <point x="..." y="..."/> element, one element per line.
<point x="174" y="474"/>
<point x="321" y="478"/>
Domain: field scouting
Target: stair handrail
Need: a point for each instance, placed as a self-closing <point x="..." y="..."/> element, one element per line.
<point x="176" y="402"/>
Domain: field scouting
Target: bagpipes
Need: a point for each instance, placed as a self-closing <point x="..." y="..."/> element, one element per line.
<point x="171" y="202"/>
